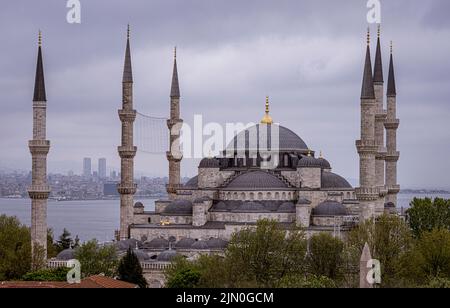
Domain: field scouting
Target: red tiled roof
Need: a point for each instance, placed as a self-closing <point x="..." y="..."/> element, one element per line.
<point x="93" y="282"/>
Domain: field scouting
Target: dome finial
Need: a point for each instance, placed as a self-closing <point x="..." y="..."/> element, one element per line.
<point x="309" y="153"/>
<point x="40" y="38"/>
<point x="321" y="154"/>
<point x="267" y="119"/>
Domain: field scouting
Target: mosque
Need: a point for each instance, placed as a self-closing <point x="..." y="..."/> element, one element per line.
<point x="266" y="172"/>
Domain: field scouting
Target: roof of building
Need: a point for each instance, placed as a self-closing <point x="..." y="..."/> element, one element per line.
<point x="200" y="245"/>
<point x="192" y="183"/>
<point x="331" y="180"/>
<point x="217" y="243"/>
<point x="179" y="207"/>
<point x="128" y="243"/>
<point x="286" y="207"/>
<point x="138" y="205"/>
<point x="329" y="208"/>
<point x="184" y="243"/>
<point x="93" y="282"/>
<point x="209" y="163"/>
<point x="262" y="135"/>
<point x="256" y="180"/>
<point x="157" y="243"/>
<point x="237" y="206"/>
<point x="309" y="162"/>
<point x="141" y="255"/>
<point x="324" y="164"/>
<point x="166" y="256"/>
<point x="66" y="255"/>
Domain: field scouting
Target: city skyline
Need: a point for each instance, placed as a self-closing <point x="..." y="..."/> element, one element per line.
<point x="324" y="58"/>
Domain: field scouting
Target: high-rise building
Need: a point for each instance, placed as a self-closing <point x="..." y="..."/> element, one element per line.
<point x="87" y="167"/>
<point x="102" y="168"/>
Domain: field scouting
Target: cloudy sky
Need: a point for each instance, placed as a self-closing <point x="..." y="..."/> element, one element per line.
<point x="307" y="55"/>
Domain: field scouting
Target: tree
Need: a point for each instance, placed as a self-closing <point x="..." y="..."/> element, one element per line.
<point x="52" y="248"/>
<point x="307" y="282"/>
<point x="185" y="279"/>
<point x="130" y="269"/>
<point x="389" y="239"/>
<point x="76" y="242"/>
<point x="55" y="274"/>
<point x="325" y="256"/>
<point x="426" y="215"/>
<point x="96" y="259"/>
<point x="261" y="257"/>
<point x="65" y="241"/>
<point x="15" y="248"/>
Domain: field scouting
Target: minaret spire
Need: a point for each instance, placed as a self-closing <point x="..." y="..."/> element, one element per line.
<point x="367" y="91"/>
<point x="391" y="89"/>
<point x="175" y="88"/>
<point x="39" y="147"/>
<point x="127" y="69"/>
<point x="378" y="70"/>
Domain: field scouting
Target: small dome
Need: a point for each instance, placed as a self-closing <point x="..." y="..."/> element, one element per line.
<point x="192" y="183"/>
<point x="200" y="245"/>
<point x="331" y="180"/>
<point x="179" y="207"/>
<point x="138" y="205"/>
<point x="330" y="208"/>
<point x="166" y="256"/>
<point x="157" y="243"/>
<point x="308" y="162"/>
<point x="184" y="243"/>
<point x="141" y="255"/>
<point x="66" y="255"/>
<point x="286" y="207"/>
<point x="129" y="243"/>
<point x="324" y="164"/>
<point x="209" y="163"/>
<point x="217" y="243"/>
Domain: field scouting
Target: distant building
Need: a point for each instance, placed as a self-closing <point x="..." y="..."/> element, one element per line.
<point x="102" y="168"/>
<point x="110" y="189"/>
<point x="87" y="167"/>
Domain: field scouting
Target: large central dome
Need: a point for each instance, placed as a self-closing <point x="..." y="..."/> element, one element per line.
<point x="254" y="138"/>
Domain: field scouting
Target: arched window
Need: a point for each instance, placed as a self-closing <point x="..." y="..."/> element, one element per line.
<point x="260" y="196"/>
<point x="252" y="196"/>
<point x="277" y="196"/>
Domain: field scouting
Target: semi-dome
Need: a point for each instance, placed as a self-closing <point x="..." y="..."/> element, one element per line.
<point x="200" y="245"/>
<point x="166" y="256"/>
<point x="141" y="255"/>
<point x="157" y="243"/>
<point x="179" y="207"/>
<point x="184" y="243"/>
<point x="138" y="205"/>
<point x="331" y="180"/>
<point x="256" y="180"/>
<point x="66" y="255"/>
<point x="288" y="141"/>
<point x="209" y="163"/>
<point x="309" y="162"/>
<point x="330" y="208"/>
<point x="192" y="183"/>
<point x="324" y="164"/>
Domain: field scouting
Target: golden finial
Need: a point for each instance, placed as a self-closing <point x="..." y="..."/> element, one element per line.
<point x="128" y="31"/>
<point x="379" y="30"/>
<point x="267" y="119"/>
<point x="175" y="52"/>
<point x="309" y="153"/>
<point x="40" y="38"/>
<point x="368" y="36"/>
<point x="321" y="155"/>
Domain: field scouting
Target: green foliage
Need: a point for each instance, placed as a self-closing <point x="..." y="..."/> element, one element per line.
<point x="426" y="215"/>
<point x="57" y="274"/>
<point x="52" y="249"/>
<point x="437" y="283"/>
<point x="307" y="282"/>
<point x="15" y="248"/>
<point x="96" y="259"/>
<point x="325" y="258"/>
<point x="389" y="239"/>
<point x="187" y="278"/>
<point x="130" y="270"/>
<point x="65" y="241"/>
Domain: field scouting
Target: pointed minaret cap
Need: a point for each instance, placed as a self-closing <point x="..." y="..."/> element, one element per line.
<point x="367" y="91"/>
<point x="378" y="70"/>
<point x="391" y="89"/>
<point x="366" y="256"/>
<point x="39" y="83"/>
<point x="175" y="88"/>
<point x="127" y="70"/>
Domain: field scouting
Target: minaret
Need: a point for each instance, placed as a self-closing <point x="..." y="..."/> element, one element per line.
<point x="174" y="155"/>
<point x="39" y="148"/>
<point x="367" y="193"/>
<point x="127" y="151"/>
<point x="391" y="125"/>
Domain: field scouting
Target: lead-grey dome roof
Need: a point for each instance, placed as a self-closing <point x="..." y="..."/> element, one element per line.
<point x="309" y="162"/>
<point x="329" y="208"/>
<point x="192" y="183"/>
<point x="179" y="207"/>
<point x="288" y="140"/>
<point x="66" y="255"/>
<point x="157" y="243"/>
<point x="129" y="243"/>
<point x="324" y="164"/>
<point x="217" y="243"/>
<point x="141" y="255"/>
<point x="184" y="243"/>
<point x="256" y="180"/>
<point x="209" y="163"/>
<point x="331" y="180"/>
<point x="166" y="256"/>
<point x="200" y="245"/>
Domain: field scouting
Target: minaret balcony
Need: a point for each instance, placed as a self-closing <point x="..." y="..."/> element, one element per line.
<point x="39" y="191"/>
<point x="392" y="124"/>
<point x="381" y="116"/>
<point x="172" y="122"/>
<point x="39" y="146"/>
<point x="174" y="157"/>
<point x="127" y="115"/>
<point x="393" y="189"/>
<point x="127" y="151"/>
<point x="368" y="193"/>
<point x="392" y="156"/>
<point x="127" y="189"/>
<point x="172" y="188"/>
<point x="367" y="146"/>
